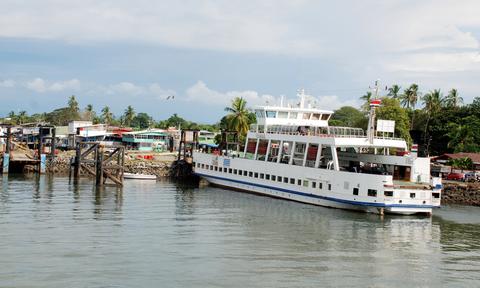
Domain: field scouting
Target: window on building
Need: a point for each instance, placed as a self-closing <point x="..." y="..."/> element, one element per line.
<point x="355" y="191"/>
<point x="271" y="114"/>
<point x="372" y="192"/>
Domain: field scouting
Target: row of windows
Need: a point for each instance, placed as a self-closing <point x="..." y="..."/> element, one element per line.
<point x="274" y="178"/>
<point x="287" y="180"/>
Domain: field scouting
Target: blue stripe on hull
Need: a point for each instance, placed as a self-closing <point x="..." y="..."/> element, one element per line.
<point x="358" y="203"/>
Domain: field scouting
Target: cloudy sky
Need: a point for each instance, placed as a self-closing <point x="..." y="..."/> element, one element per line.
<point x="120" y="53"/>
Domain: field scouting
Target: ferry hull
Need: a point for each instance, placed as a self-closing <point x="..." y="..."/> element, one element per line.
<point x="243" y="187"/>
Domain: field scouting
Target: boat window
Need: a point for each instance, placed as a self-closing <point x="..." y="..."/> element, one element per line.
<point x="259" y="113"/>
<point x="372" y="192"/>
<point x="216" y="168"/>
<point x="262" y="175"/>
<point x="283" y="115"/>
<point x="329" y="186"/>
<point x="240" y="172"/>
<point x="256" y="175"/>
<point x="250" y="174"/>
<point x="279" y="178"/>
<point x="320" y="185"/>
<point x="267" y="176"/>
<point x="225" y="169"/>
<point x="355" y="191"/>
<point x="306" y="116"/>
<point x="235" y="171"/>
<point x="325" y="116"/>
<point x="293" y="115"/>
<point x="314" y="184"/>
<point x="315" y="116"/>
<point x="274" y="177"/>
<point x="299" y="182"/>
<point x="271" y="114"/>
<point x="285" y="179"/>
<point x="292" y="180"/>
<point x="412" y="195"/>
<point x="230" y="170"/>
<point x="244" y="172"/>
<point x="436" y="195"/>
<point x="305" y="183"/>
<point x="388" y="193"/>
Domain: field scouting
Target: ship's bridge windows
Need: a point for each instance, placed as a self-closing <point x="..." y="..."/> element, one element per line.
<point x="282" y="114"/>
<point x="271" y="114"/>
<point x="293" y="115"/>
<point x="260" y="114"/>
<point x="306" y="116"/>
<point x="325" y="116"/>
<point x="315" y="116"/>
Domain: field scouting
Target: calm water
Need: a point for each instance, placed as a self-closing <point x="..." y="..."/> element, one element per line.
<point x="158" y="234"/>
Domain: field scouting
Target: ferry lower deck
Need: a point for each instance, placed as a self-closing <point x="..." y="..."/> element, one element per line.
<point x="337" y="189"/>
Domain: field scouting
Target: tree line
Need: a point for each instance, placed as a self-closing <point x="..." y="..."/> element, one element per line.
<point x="129" y="118"/>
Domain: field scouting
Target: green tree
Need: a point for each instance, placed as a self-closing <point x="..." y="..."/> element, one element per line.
<point x="107" y="116"/>
<point x="22" y="117"/>
<point x="391" y="110"/>
<point x="348" y="116"/>
<point x="464" y="163"/>
<point x="464" y="136"/>
<point x="239" y="117"/>
<point x="90" y="113"/>
<point x="73" y="104"/>
<point x="128" y="116"/>
<point x="394" y="91"/>
<point x="142" y="121"/>
<point x="409" y="98"/>
<point x="453" y="100"/>
<point x="366" y="101"/>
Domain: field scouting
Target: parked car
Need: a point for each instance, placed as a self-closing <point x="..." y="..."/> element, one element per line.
<point x="472" y="177"/>
<point x="456" y="176"/>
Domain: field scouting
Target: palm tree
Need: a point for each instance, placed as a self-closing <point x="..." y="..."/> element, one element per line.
<point x="433" y="101"/>
<point x="107" y="116"/>
<point x="394" y="91"/>
<point x="89" y="113"/>
<point x="128" y="115"/>
<point x="409" y="98"/>
<point x="22" y="117"/>
<point x="366" y="99"/>
<point x="73" y="104"/>
<point x="238" y="117"/>
<point x="453" y="100"/>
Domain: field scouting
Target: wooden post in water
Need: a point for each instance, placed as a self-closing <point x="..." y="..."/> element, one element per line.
<point x="78" y="157"/>
<point x="99" y="160"/>
<point x="6" y="154"/>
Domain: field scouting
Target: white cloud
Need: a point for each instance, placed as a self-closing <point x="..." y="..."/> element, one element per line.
<point x="39" y="85"/>
<point x="127" y="88"/>
<point x="162" y="94"/>
<point x="8" y="83"/>
<point x="201" y="93"/>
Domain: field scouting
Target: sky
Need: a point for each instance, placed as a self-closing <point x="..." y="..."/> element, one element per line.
<point x="117" y="53"/>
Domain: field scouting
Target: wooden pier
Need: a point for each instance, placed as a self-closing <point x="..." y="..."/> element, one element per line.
<point x="104" y="162"/>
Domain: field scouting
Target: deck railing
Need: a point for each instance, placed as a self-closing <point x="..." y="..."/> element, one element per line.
<point x="331" y="131"/>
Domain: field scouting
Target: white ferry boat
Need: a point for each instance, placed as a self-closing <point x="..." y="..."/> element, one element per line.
<point x="292" y="153"/>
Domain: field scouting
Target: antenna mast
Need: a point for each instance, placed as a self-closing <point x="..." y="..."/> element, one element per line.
<point x="374" y="103"/>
